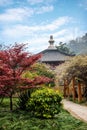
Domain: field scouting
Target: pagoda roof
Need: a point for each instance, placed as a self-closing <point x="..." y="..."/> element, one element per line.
<point x="53" y="55"/>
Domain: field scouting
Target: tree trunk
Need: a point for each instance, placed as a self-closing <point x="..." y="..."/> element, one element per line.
<point x="64" y="88"/>
<point x="68" y="91"/>
<point x="79" y="92"/>
<point x="85" y="91"/>
<point x="67" y="87"/>
<point x="73" y="86"/>
<point x="11" y="103"/>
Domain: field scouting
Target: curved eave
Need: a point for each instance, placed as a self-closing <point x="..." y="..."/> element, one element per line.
<point x="49" y="55"/>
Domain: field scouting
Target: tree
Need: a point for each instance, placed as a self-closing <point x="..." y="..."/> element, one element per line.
<point x="44" y="70"/>
<point x="74" y="70"/>
<point x="64" y="49"/>
<point x="79" y="45"/>
<point x="13" y="62"/>
<point x="2" y="46"/>
<point x="61" y="73"/>
<point x="77" y="68"/>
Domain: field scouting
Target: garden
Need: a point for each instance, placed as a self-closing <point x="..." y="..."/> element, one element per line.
<point x="23" y="120"/>
<point x="73" y="76"/>
<point x="28" y="98"/>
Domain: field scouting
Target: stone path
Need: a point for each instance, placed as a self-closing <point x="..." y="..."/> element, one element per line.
<point x="76" y="110"/>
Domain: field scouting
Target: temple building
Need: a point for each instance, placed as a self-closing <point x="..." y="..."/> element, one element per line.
<point x="52" y="55"/>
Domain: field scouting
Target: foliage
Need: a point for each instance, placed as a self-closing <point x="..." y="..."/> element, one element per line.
<point x="43" y="70"/>
<point x="2" y="46"/>
<point x="40" y="69"/>
<point x="29" y="74"/>
<point x="76" y="67"/>
<point x="79" y="45"/>
<point x="23" y="98"/>
<point x="64" y="49"/>
<point x="45" y="103"/>
<point x="13" y="62"/>
<point x="20" y="120"/>
<point x="37" y="69"/>
<point x="61" y="73"/>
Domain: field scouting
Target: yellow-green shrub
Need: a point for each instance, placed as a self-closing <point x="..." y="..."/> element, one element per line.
<point x="45" y="103"/>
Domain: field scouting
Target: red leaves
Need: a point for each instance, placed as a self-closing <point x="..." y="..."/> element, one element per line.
<point x="29" y="61"/>
<point x="13" y="62"/>
<point x="27" y="83"/>
<point x="41" y="80"/>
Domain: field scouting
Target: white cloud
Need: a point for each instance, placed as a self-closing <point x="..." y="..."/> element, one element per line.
<point x="19" y="14"/>
<point x="40" y="42"/>
<point x="67" y="34"/>
<point x="21" y="30"/>
<point x="59" y="33"/>
<point x="44" y="9"/>
<point x="38" y="36"/>
<point x="16" y="14"/>
<point x="56" y="23"/>
<point x="64" y="38"/>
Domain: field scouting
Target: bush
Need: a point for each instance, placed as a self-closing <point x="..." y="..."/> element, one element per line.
<point x="45" y="103"/>
<point x="44" y="70"/>
<point x="23" y="99"/>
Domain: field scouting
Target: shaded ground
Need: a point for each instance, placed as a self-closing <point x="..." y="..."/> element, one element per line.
<point x="76" y="110"/>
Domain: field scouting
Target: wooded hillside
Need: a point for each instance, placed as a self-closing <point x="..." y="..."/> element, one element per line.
<point x="79" y="45"/>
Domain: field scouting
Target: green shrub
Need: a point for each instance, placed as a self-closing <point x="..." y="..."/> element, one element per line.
<point x="23" y="99"/>
<point x="40" y="69"/>
<point x="45" y="103"/>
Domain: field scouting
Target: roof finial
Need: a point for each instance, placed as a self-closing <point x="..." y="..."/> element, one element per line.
<point x="51" y="41"/>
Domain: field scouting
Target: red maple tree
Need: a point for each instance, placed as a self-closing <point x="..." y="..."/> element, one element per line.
<point x="13" y="62"/>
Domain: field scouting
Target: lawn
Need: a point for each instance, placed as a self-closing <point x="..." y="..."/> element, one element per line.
<point x="19" y="120"/>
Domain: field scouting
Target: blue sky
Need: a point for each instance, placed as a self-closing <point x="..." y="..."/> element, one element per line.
<point x="33" y="21"/>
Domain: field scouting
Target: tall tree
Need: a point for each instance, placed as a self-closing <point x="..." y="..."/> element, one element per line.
<point x="79" y="45"/>
<point x="64" y="48"/>
<point x="77" y="67"/>
<point x="40" y="69"/>
<point x="13" y="62"/>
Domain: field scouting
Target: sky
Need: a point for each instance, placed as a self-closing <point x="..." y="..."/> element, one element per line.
<point x="33" y="21"/>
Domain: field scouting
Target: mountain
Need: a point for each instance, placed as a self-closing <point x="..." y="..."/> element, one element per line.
<point x="79" y="45"/>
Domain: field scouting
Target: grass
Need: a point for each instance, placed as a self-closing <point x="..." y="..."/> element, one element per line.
<point x="19" y="120"/>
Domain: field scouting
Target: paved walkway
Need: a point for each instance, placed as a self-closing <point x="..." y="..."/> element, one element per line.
<point x="76" y="110"/>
